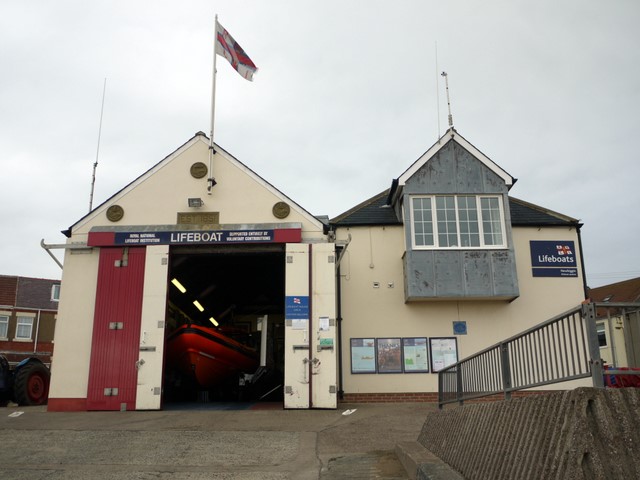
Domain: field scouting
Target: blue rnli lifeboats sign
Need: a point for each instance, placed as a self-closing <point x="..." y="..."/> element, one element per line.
<point x="556" y="258"/>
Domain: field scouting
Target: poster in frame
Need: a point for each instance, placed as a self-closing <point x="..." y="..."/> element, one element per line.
<point x="389" y="355"/>
<point x="415" y="355"/>
<point x="443" y="352"/>
<point x="363" y="355"/>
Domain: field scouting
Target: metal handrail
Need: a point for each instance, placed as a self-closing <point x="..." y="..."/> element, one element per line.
<point x="560" y="349"/>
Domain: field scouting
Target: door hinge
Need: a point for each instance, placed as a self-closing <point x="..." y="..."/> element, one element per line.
<point x="110" y="392"/>
<point x="116" y="325"/>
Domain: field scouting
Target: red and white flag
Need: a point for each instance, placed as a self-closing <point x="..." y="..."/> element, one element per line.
<point x="229" y="49"/>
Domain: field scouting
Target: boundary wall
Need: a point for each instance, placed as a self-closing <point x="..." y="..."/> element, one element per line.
<point x="586" y="433"/>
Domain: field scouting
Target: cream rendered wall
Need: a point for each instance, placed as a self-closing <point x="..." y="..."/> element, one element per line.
<point x="375" y="255"/>
<point x="614" y="332"/>
<point x="240" y="196"/>
<point x="74" y="326"/>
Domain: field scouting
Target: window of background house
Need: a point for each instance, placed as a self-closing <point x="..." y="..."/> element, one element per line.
<point x="602" y="336"/>
<point x="55" y="292"/>
<point x="4" y="326"/>
<point x="24" y="328"/>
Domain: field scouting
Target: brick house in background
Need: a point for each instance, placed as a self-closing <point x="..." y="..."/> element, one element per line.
<point x="28" y="310"/>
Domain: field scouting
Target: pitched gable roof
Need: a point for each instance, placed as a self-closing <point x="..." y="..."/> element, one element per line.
<point x="452" y="135"/>
<point x="198" y="137"/>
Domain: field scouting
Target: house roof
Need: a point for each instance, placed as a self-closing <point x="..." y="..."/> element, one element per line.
<point x="29" y="292"/>
<point x="376" y="211"/>
<point x="625" y="291"/>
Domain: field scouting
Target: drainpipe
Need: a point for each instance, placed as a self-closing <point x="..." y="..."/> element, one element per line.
<point x="35" y="341"/>
<point x="584" y="274"/>
<point x="339" y="332"/>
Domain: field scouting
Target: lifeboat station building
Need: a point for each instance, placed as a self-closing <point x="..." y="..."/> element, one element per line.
<point x="200" y="282"/>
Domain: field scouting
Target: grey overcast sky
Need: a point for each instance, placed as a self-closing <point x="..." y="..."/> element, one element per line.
<point x="347" y="96"/>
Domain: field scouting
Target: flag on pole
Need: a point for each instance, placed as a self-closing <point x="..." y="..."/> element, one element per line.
<point x="229" y="49"/>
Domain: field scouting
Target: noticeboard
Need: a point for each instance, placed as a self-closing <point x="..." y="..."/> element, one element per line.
<point x="389" y="355"/>
<point x="444" y="352"/>
<point x="363" y="355"/>
<point x="415" y="355"/>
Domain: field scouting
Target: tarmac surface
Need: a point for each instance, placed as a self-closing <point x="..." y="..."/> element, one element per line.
<point x="212" y="441"/>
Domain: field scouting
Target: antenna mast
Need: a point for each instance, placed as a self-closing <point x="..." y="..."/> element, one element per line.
<point x="437" y="93"/>
<point x="95" y="165"/>
<point x="446" y="82"/>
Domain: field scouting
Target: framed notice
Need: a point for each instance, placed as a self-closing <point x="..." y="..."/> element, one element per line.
<point x="363" y="355"/>
<point x="415" y="355"/>
<point x="389" y="355"/>
<point x="444" y="352"/>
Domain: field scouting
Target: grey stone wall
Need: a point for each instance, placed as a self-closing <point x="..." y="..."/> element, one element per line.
<point x="585" y="433"/>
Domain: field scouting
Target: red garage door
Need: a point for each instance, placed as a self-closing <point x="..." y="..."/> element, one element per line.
<point x="116" y="329"/>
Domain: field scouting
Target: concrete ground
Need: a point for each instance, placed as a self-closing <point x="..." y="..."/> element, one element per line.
<point x="262" y="441"/>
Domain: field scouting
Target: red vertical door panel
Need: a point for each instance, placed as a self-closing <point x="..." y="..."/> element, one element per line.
<point x="116" y="329"/>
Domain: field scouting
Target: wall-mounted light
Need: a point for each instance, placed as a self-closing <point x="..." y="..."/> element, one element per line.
<point x="195" y="202"/>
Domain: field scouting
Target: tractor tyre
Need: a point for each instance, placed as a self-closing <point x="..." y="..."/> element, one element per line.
<point x="31" y="384"/>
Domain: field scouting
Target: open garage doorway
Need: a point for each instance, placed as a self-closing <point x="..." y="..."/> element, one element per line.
<point x="225" y="324"/>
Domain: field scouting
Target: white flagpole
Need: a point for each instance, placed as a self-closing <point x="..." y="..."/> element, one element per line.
<point x="212" y="180"/>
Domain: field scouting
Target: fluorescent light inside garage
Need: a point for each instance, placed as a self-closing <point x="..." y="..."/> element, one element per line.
<point x="178" y="285"/>
<point x="198" y="306"/>
<point x="213" y="320"/>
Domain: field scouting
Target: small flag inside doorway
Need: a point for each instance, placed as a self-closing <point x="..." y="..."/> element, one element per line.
<point x="229" y="49"/>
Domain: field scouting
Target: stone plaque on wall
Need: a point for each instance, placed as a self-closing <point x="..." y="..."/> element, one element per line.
<point x="198" y="218"/>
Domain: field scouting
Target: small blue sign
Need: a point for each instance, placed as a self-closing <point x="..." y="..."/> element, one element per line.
<point x="296" y="308"/>
<point x="459" y="328"/>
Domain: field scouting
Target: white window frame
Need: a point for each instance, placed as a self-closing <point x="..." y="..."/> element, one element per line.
<point x="601" y="331"/>
<point x="20" y="322"/>
<point x="4" y="321"/>
<point x="55" y="292"/>
<point x="480" y="221"/>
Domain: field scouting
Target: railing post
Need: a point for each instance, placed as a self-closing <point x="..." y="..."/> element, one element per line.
<point x="440" y="390"/>
<point x="589" y="315"/>
<point x="506" y="370"/>
<point x="459" y="383"/>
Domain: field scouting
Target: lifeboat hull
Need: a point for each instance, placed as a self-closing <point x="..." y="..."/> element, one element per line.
<point x="208" y="356"/>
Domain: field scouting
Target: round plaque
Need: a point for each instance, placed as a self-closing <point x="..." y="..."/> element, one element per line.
<point x="198" y="170"/>
<point x="115" y="213"/>
<point x="281" y="210"/>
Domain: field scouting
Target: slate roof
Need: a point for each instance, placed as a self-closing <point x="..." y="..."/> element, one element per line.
<point x="625" y="291"/>
<point x="375" y="211"/>
<point x="28" y="292"/>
